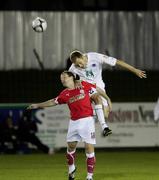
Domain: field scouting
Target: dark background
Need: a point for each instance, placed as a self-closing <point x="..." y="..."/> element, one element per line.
<point x="78" y="5"/>
<point x="25" y="86"/>
<point x="35" y="85"/>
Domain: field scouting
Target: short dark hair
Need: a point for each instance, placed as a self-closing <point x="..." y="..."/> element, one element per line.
<point x="75" y="54"/>
<point x="75" y="76"/>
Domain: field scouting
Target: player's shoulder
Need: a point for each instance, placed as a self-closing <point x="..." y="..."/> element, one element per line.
<point x="94" y="55"/>
<point x="83" y="82"/>
<point x="72" y="67"/>
<point x="64" y="92"/>
<point x="87" y="84"/>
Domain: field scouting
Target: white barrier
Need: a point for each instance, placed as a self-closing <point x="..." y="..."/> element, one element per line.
<point x="132" y="124"/>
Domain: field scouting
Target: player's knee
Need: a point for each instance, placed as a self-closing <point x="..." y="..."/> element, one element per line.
<point x="96" y="99"/>
<point x="89" y="148"/>
<point x="71" y="147"/>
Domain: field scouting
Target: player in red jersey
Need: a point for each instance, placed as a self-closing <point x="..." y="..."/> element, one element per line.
<point x="81" y="125"/>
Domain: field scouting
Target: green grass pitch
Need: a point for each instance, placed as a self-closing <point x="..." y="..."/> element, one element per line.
<point x="109" y="166"/>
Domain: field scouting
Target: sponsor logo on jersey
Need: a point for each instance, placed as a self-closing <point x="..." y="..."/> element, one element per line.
<point x="93" y="65"/>
<point x="81" y="91"/>
<point x="76" y="98"/>
<point x="89" y="73"/>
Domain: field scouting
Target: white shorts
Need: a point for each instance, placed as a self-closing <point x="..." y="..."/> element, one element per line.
<point x="82" y="130"/>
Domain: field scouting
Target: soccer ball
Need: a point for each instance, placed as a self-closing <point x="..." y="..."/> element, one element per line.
<point x="39" y="24"/>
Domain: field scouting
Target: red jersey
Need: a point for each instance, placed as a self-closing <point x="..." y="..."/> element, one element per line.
<point x="78" y="100"/>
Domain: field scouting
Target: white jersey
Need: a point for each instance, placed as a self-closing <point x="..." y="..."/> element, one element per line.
<point x="93" y="71"/>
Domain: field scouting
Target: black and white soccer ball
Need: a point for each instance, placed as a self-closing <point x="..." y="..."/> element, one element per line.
<point x="39" y="24"/>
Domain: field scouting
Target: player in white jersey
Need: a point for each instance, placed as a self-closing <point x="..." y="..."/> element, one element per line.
<point x="89" y="67"/>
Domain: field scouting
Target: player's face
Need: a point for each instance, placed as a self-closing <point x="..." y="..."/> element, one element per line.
<point x="81" y="62"/>
<point x="65" y="79"/>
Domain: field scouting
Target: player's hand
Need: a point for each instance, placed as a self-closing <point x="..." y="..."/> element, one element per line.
<point x="78" y="84"/>
<point x="32" y="106"/>
<point x="109" y="104"/>
<point x="140" y="73"/>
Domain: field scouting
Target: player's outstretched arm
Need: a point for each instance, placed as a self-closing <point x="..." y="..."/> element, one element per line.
<point x="138" y="72"/>
<point x="48" y="103"/>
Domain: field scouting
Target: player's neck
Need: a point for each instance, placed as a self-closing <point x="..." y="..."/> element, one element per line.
<point x="71" y="86"/>
<point x="85" y="58"/>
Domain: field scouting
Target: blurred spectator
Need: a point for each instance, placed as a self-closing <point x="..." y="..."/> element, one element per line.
<point x="8" y="136"/>
<point x="27" y="129"/>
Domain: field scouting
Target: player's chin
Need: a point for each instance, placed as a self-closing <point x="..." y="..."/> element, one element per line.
<point x="64" y="84"/>
<point x="83" y="67"/>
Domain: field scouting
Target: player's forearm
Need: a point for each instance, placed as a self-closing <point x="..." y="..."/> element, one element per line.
<point x="138" y="72"/>
<point x="48" y="103"/>
<point x="126" y="66"/>
<point x="45" y="104"/>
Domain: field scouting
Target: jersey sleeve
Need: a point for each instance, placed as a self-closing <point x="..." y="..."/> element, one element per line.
<point x="90" y="88"/>
<point x="60" y="99"/>
<point x="71" y="69"/>
<point x="88" y="85"/>
<point x="104" y="59"/>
